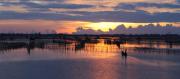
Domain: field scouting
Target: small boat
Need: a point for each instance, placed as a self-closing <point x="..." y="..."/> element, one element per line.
<point x="124" y="53"/>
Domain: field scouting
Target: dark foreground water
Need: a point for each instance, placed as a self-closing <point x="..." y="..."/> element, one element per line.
<point x="153" y="60"/>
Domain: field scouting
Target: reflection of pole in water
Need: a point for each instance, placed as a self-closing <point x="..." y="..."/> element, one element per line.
<point x="30" y="45"/>
<point x="150" y="43"/>
<point x="28" y="50"/>
<point x="125" y="60"/>
<point x="170" y="45"/>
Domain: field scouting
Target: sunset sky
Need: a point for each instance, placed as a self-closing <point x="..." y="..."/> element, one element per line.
<point x="64" y="16"/>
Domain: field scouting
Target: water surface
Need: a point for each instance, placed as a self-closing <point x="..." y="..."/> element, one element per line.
<point x="47" y="60"/>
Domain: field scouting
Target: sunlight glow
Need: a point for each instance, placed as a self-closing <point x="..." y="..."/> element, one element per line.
<point x="24" y="26"/>
<point x="105" y="26"/>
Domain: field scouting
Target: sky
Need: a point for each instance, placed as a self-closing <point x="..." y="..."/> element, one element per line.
<point x="65" y="16"/>
<point x="141" y="29"/>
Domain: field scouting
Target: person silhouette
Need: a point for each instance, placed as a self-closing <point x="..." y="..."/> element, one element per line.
<point x="124" y="53"/>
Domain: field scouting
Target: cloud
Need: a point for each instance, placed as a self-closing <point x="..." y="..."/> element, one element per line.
<point x="84" y="10"/>
<point x="39" y="4"/>
<point x="16" y="8"/>
<point x="105" y="16"/>
<point x="134" y="5"/>
<point x="178" y="1"/>
<point x="149" y="7"/>
<point x="146" y="29"/>
<point x="56" y="5"/>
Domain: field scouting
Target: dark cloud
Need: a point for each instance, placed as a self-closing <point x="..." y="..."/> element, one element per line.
<point x="106" y="16"/>
<point x="131" y="6"/>
<point x="31" y="16"/>
<point x="125" y="6"/>
<point x="146" y="29"/>
<point x="56" y="5"/>
<point x="41" y="11"/>
<point x="178" y="1"/>
<point x="30" y="4"/>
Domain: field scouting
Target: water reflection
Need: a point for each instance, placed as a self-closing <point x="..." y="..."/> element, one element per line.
<point x="97" y="59"/>
<point x="101" y="45"/>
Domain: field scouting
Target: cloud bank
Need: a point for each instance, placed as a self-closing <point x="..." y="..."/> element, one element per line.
<point x="92" y="10"/>
<point x="146" y="29"/>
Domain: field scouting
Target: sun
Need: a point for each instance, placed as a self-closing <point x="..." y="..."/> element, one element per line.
<point x="104" y="26"/>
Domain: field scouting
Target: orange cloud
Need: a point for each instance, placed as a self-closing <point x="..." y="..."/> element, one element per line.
<point x="17" y="8"/>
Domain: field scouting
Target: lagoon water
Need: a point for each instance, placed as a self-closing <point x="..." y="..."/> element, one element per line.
<point x="145" y="60"/>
